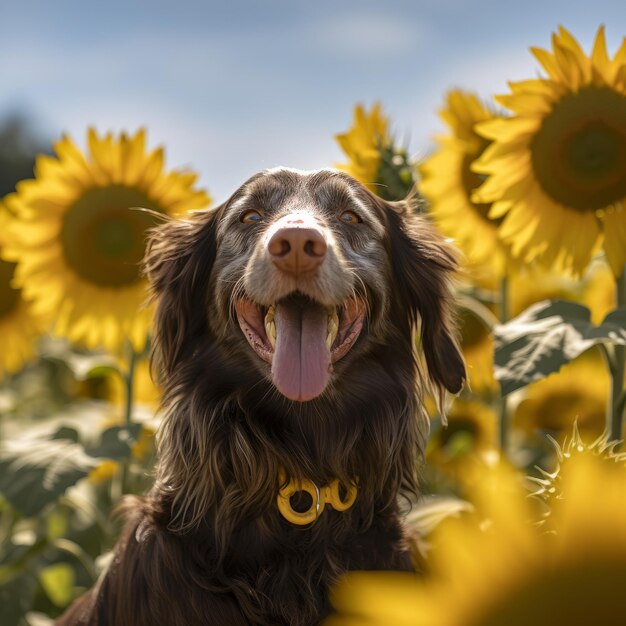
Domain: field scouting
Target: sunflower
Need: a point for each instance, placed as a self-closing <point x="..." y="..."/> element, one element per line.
<point x="19" y="328"/>
<point x="506" y="570"/>
<point x="471" y="435"/>
<point x="448" y="182"/>
<point x="578" y="392"/>
<point x="374" y="159"/>
<point x="78" y="237"/>
<point x="557" y="168"/>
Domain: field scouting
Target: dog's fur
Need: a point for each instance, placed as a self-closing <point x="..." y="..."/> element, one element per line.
<point x="208" y="545"/>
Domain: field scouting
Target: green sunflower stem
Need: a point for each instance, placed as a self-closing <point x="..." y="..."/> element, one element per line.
<point x="129" y="379"/>
<point x="504" y="409"/>
<point x="615" y="413"/>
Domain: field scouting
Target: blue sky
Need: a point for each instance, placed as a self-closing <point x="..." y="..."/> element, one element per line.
<point x="233" y="87"/>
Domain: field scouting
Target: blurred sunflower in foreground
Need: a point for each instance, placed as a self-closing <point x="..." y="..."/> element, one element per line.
<point x="448" y="182"/>
<point x="18" y="327"/>
<point x="570" y="452"/>
<point x="79" y="235"/>
<point x="506" y="570"/>
<point x="374" y="159"/>
<point x="557" y="168"/>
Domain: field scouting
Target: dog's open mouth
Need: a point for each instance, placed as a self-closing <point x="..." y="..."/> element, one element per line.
<point x="301" y="339"/>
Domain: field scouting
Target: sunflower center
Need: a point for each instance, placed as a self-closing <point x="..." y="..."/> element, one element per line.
<point x="579" y="595"/>
<point x="9" y="297"/>
<point x="579" y="153"/>
<point x="594" y="150"/>
<point x="104" y="236"/>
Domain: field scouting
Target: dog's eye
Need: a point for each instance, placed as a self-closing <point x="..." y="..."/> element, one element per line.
<point x="350" y="217"/>
<point x="250" y="217"/>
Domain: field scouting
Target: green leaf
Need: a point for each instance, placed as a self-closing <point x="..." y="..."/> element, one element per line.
<point x="117" y="442"/>
<point x="35" y="472"/>
<point x="58" y="583"/>
<point x="546" y="336"/>
<point x="36" y="469"/>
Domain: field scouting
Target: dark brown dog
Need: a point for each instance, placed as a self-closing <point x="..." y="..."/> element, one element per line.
<point x="284" y="344"/>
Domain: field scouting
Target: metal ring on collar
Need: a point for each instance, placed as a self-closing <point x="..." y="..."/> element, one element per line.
<point x="297" y="517"/>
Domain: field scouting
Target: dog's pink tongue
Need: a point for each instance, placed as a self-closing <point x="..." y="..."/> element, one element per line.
<point x="301" y="363"/>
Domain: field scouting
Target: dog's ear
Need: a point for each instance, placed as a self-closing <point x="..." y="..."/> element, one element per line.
<point x="423" y="264"/>
<point x="178" y="262"/>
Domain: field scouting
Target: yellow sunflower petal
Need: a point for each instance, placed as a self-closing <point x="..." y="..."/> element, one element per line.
<point x="600" y="56"/>
<point x="524" y="103"/>
<point x="19" y="326"/>
<point x="614" y="238"/>
<point x="448" y="182"/>
<point x="573" y="58"/>
<point x="507" y="129"/>
<point x="362" y="144"/>
<point x="550" y="64"/>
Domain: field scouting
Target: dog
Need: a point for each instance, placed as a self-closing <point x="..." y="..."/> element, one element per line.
<point x="285" y="343"/>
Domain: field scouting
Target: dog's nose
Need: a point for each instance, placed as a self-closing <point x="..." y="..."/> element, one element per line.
<point x="297" y="249"/>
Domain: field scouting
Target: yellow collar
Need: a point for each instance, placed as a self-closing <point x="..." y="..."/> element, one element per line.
<point x="320" y="496"/>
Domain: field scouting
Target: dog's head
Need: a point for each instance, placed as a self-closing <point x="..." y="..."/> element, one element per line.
<point x="298" y="274"/>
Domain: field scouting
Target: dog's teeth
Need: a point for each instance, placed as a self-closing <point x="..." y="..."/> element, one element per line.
<point x="270" y="329"/>
<point x="333" y="327"/>
<point x="270" y="325"/>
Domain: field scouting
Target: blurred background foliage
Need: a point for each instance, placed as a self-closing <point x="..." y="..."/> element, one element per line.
<point x="543" y="330"/>
<point x="19" y="145"/>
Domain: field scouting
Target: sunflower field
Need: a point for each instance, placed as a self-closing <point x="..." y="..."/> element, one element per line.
<point x="523" y="518"/>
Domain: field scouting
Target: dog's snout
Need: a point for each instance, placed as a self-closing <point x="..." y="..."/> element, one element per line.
<point x="297" y="249"/>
